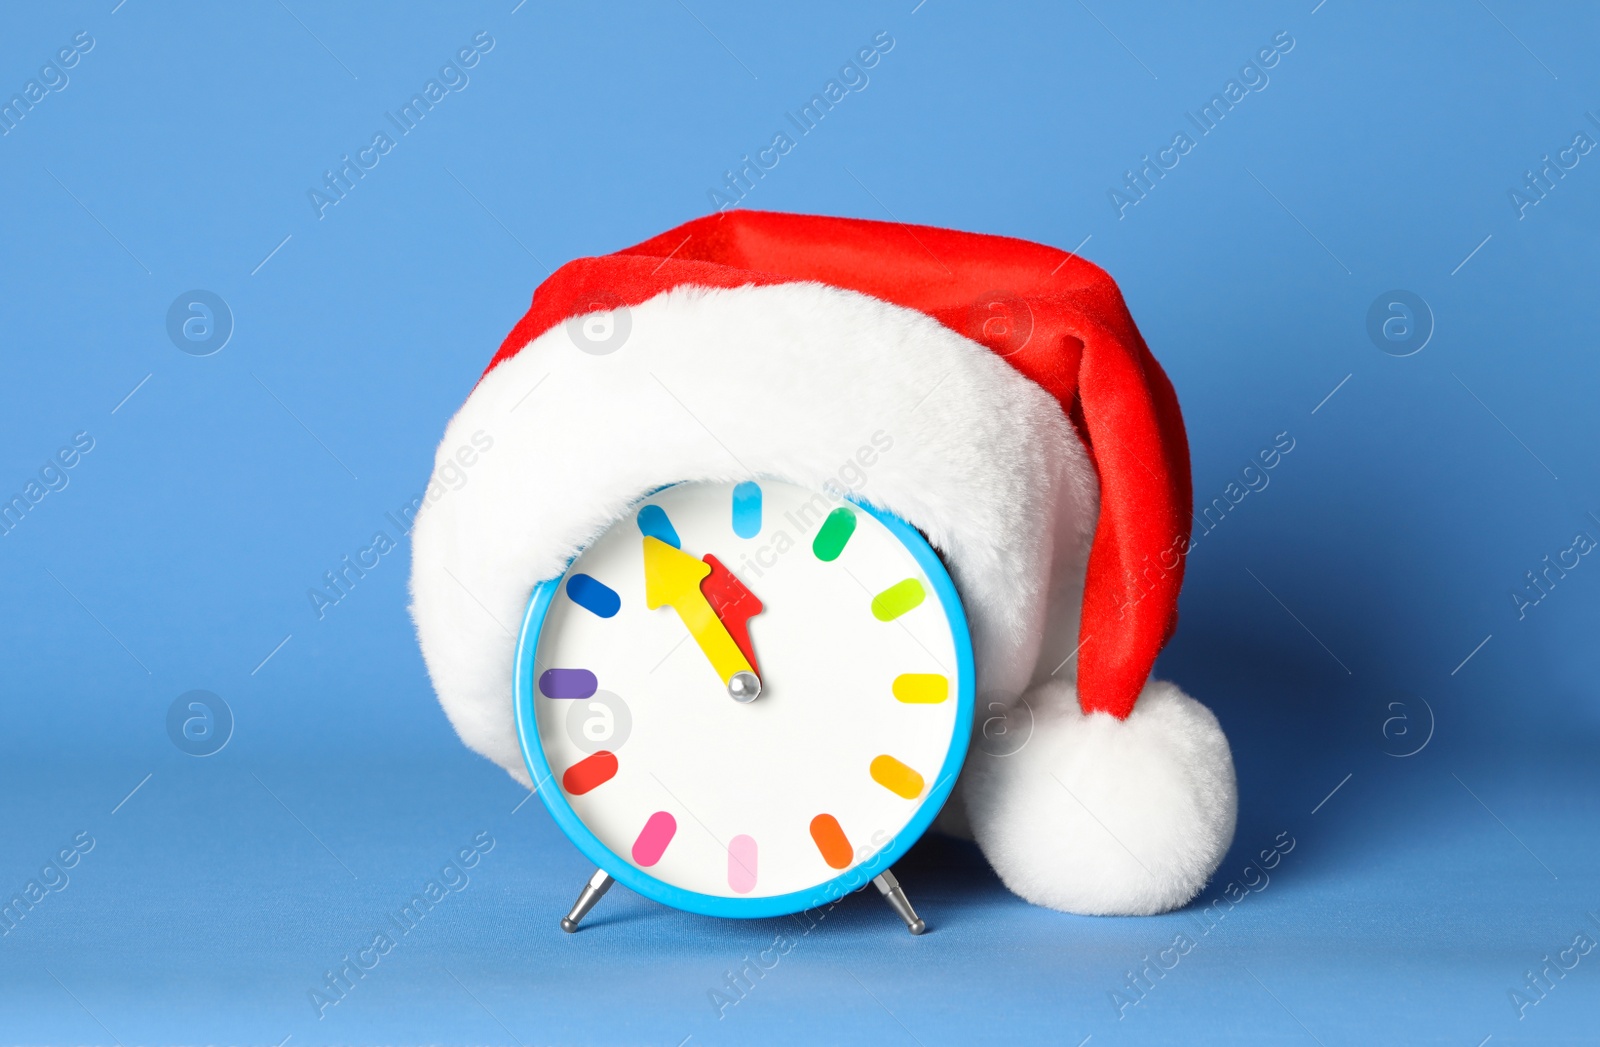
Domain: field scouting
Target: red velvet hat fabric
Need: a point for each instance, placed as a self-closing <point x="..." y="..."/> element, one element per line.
<point x="1056" y="318"/>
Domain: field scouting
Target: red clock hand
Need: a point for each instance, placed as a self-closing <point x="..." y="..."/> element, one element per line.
<point x="733" y="604"/>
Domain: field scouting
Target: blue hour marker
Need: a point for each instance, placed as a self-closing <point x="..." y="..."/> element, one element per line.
<point x="593" y="596"/>
<point x="653" y="523"/>
<point x="747" y="509"/>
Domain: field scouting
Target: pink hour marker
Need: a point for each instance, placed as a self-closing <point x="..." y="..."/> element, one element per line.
<point x="742" y="864"/>
<point x="653" y="839"/>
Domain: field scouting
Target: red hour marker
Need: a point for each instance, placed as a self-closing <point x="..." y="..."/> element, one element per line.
<point x="589" y="773"/>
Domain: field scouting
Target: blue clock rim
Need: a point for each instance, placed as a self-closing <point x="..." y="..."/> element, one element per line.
<point x="857" y="876"/>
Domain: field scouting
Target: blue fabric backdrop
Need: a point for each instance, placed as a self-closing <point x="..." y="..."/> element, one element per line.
<point x="1395" y="624"/>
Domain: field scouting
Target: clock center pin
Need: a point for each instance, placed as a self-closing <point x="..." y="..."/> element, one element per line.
<point x="744" y="687"/>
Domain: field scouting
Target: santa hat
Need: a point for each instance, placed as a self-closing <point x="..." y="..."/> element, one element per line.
<point x="1014" y="416"/>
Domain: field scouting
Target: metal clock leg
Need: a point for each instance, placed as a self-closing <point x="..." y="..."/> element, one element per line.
<point x="899" y="902"/>
<point x="592" y="892"/>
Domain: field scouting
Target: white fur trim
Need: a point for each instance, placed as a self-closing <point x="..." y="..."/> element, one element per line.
<point x="1102" y="816"/>
<point x="787" y="381"/>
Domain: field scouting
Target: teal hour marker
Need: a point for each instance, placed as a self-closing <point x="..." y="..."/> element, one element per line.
<point x="747" y="509"/>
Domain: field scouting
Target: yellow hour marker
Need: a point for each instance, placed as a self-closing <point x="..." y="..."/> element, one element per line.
<point x="921" y="688"/>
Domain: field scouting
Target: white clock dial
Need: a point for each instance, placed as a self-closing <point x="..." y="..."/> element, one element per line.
<point x="734" y="755"/>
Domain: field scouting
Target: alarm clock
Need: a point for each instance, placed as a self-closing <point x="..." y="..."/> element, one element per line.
<point x="746" y="699"/>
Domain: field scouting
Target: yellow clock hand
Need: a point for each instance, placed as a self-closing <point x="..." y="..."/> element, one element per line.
<point x="672" y="579"/>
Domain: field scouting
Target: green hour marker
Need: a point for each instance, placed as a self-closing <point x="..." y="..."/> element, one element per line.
<point x="835" y="533"/>
<point x="897" y="600"/>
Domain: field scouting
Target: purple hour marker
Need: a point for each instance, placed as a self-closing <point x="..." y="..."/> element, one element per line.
<point x="567" y="683"/>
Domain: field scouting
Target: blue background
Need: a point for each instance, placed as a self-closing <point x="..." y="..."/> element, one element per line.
<point x="1361" y="598"/>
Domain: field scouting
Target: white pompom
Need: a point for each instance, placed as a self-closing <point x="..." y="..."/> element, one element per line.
<point x="1101" y="816"/>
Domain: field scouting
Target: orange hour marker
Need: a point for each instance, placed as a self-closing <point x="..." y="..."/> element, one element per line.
<point x="896" y="777"/>
<point x="831" y="841"/>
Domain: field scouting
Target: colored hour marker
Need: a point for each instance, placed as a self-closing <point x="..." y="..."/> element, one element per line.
<point x="831" y="841"/>
<point x="896" y="777"/>
<point x="589" y="772"/>
<point x="567" y="683"/>
<point x="653" y="522"/>
<point x="742" y="864"/>
<point x="747" y="512"/>
<point x="593" y="596"/>
<point x="835" y="533"/>
<point x="921" y="688"/>
<point x="897" y="600"/>
<point x="653" y="839"/>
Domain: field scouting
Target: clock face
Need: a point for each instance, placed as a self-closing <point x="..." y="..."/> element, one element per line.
<point x="743" y="696"/>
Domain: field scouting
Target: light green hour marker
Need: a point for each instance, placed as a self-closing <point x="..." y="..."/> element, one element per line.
<point x="835" y="533"/>
<point x="897" y="600"/>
